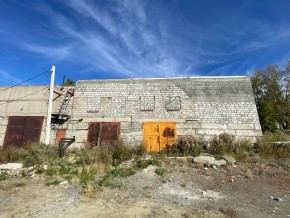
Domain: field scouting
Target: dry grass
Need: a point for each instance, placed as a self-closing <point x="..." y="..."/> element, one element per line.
<point x="29" y="155"/>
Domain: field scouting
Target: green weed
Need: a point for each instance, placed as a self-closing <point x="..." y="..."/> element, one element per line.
<point x="160" y="171"/>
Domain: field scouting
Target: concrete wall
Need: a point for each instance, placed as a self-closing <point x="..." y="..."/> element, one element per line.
<point x="24" y="101"/>
<point x="199" y="105"/>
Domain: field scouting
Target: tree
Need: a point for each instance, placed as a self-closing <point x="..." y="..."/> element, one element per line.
<point x="271" y="88"/>
<point x="69" y="82"/>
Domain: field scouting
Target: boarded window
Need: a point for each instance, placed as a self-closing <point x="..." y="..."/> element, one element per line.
<point x="147" y="103"/>
<point x="22" y="130"/>
<point x="105" y="132"/>
<point x="106" y="105"/>
<point x="173" y="103"/>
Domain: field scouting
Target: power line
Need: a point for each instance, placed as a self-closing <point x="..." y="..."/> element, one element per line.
<point x="24" y="81"/>
<point x="23" y="96"/>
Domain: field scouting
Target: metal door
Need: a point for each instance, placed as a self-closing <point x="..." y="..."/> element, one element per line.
<point x="158" y="135"/>
<point x="105" y="132"/>
<point x="22" y="130"/>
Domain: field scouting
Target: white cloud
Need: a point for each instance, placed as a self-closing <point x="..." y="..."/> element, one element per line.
<point x="8" y="77"/>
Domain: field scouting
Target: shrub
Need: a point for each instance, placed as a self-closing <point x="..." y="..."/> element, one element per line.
<point x="142" y="163"/>
<point x="30" y="154"/>
<point x="3" y="176"/>
<point x="224" y="143"/>
<point x="110" y="179"/>
<point x="186" y="145"/>
<point x="271" y="145"/>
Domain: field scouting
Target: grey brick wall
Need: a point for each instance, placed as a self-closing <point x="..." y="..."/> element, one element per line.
<point x="199" y="105"/>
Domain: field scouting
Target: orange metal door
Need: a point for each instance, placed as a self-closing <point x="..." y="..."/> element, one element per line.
<point x="167" y="132"/>
<point x="157" y="135"/>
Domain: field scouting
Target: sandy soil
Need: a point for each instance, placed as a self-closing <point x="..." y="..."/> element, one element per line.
<point x="243" y="190"/>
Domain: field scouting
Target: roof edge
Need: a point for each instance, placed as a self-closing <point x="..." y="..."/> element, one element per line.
<point x="192" y="77"/>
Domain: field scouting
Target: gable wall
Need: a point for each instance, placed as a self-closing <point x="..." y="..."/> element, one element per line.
<point x="209" y="105"/>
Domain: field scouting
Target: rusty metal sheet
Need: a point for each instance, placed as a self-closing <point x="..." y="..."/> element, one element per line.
<point x="158" y="135"/>
<point x="104" y="132"/>
<point x="110" y="131"/>
<point x="93" y="133"/>
<point x="22" y="130"/>
<point x="60" y="134"/>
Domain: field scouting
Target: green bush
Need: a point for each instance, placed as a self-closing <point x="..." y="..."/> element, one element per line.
<point x="3" y="176"/>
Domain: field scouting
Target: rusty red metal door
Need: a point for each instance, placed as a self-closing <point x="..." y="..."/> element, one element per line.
<point x="105" y="132"/>
<point x="60" y="134"/>
<point x="22" y="130"/>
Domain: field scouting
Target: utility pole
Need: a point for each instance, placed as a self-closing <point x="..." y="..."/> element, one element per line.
<point x="49" y="108"/>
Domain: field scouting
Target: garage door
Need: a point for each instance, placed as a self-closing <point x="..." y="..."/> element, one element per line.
<point x="104" y="132"/>
<point x="22" y="130"/>
<point x="157" y="135"/>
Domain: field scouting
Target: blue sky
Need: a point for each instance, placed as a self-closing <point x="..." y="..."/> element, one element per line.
<point x="106" y="39"/>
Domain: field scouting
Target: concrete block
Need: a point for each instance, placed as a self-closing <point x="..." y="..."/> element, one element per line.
<point x="213" y="126"/>
<point x="241" y="126"/>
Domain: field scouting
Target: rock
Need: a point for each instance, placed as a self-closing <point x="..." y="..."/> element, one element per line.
<point x="63" y="182"/>
<point x="11" y="166"/>
<point x="208" y="160"/>
<point x="30" y="169"/>
<point x="278" y="199"/>
<point x="203" y="159"/>
<point x="218" y="163"/>
<point x="45" y="167"/>
<point x="31" y="173"/>
<point x="229" y="159"/>
<point x="275" y="198"/>
<point x="127" y="164"/>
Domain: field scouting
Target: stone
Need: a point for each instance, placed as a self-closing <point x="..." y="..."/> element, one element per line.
<point x="229" y="159"/>
<point x="63" y="182"/>
<point x="11" y="166"/>
<point x="203" y="159"/>
<point x="209" y="161"/>
<point x="45" y="167"/>
<point x="218" y="162"/>
<point x="30" y="168"/>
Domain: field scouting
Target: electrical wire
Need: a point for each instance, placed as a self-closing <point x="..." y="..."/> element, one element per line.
<point x="24" y="81"/>
<point x="23" y="96"/>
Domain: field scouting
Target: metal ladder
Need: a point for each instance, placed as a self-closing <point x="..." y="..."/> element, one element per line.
<point x="65" y="102"/>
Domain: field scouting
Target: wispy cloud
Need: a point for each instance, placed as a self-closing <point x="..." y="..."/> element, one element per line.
<point x="53" y="52"/>
<point x="135" y="38"/>
<point x="8" y="78"/>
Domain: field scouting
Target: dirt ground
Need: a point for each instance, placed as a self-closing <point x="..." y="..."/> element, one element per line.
<point x="241" y="190"/>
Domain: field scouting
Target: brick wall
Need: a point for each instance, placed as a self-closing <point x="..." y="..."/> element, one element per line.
<point x="199" y="105"/>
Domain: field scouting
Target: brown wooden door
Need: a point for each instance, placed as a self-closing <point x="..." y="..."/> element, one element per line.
<point x="22" y="130"/>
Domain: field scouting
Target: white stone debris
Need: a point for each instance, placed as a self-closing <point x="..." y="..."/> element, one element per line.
<point x="209" y="160"/>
